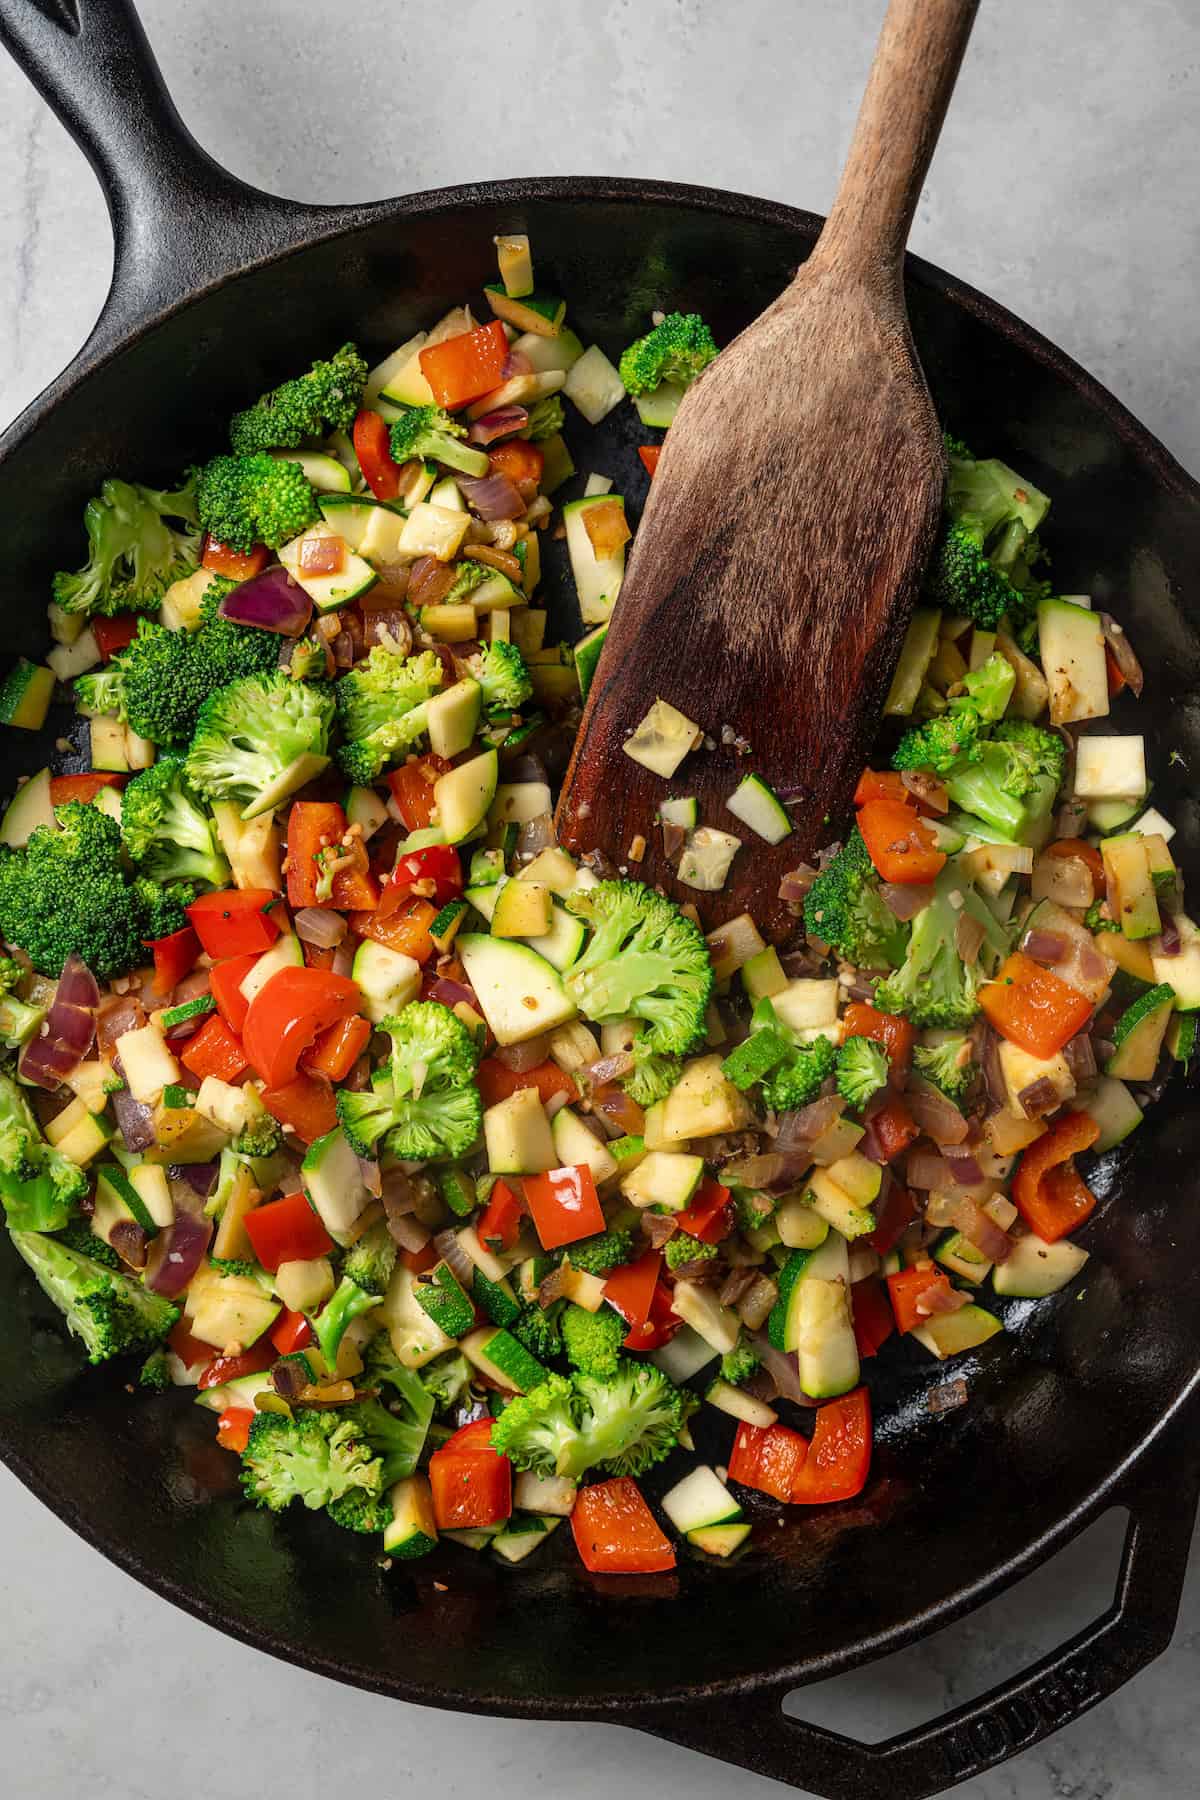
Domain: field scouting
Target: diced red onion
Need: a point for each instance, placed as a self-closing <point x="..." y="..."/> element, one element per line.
<point x="387" y="627"/>
<point x="527" y="767"/>
<point x="453" y="993"/>
<point x="429" y="581"/>
<point x="984" y="1233"/>
<point x="1122" y="653"/>
<point x="674" y="839"/>
<point x="535" y="836"/>
<point x="927" y="1169"/>
<point x="618" y="1111"/>
<point x="448" y="1247"/>
<point x="504" y="422"/>
<point x="948" y="1397"/>
<point x="963" y="1166"/>
<point x="408" y="1231"/>
<point x="398" y="1194"/>
<point x="270" y="601"/>
<point x="927" y="789"/>
<point x="869" y="1144"/>
<point x="941" y="1299"/>
<point x="66" y="1033"/>
<point x="1045" y="946"/>
<point x="136" y="1121"/>
<point x="904" y="899"/>
<point x="736" y="1285"/>
<point x="609" y="1068"/>
<point x="784" y="1369"/>
<point x="177" y="1253"/>
<point x="554" y="1286"/>
<point x="200" y="1177"/>
<point x="343" y="959"/>
<point x="1169" y="941"/>
<point x="798" y="1130"/>
<point x="1080" y="1057"/>
<point x="759" y="1171"/>
<point x="969" y="933"/>
<point x="658" y="1227"/>
<point x="288" y="1378"/>
<point x="796" y="883"/>
<point x="754" y="1307"/>
<point x="516" y="363"/>
<point x="491" y="496"/>
<point x="319" y="925"/>
<point x="1071" y="819"/>
<point x="1038" y="1098"/>
<point x="1092" y="964"/>
<point x="130" y="1242"/>
<point x="520" y="1058"/>
<point x="934" y="1113"/>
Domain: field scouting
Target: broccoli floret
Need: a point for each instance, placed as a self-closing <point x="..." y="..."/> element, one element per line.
<point x="597" y="1255"/>
<point x="592" y="1341"/>
<point x="676" y="351"/>
<point x="250" y="733"/>
<point x="538" y="1329"/>
<point x="102" y="691"/>
<point x="946" y="1066"/>
<point x="66" y="891"/>
<point x="233" y="1265"/>
<point x="1096" y="920"/>
<point x="843" y="908"/>
<point x="259" y="499"/>
<point x="941" y="745"/>
<point x="862" y="1069"/>
<point x="405" y="1388"/>
<point x="501" y="673"/>
<point x="261" y="1135"/>
<point x="166" y="676"/>
<point x="112" y="1314"/>
<point x="396" y="1433"/>
<point x="935" y="987"/>
<point x="423" y="1103"/>
<point x="644" y="960"/>
<point x="427" y="432"/>
<point x="1012" y="783"/>
<point x="133" y="553"/>
<point x="989" y="688"/>
<point x="546" y="418"/>
<point x="684" y="1248"/>
<point x="983" y="562"/>
<point x="624" y="1423"/>
<point x="371" y="1260"/>
<point x="961" y="579"/>
<point x="18" y="1021"/>
<point x="312" y="405"/>
<point x="40" y="1188"/>
<point x="653" y="1074"/>
<point x="361" y="1511"/>
<point x="347" y="1303"/>
<point x="167" y="833"/>
<point x="381" y="709"/>
<point x="740" y="1363"/>
<point x="11" y="973"/>
<point x="752" y="1208"/>
<point x="313" y="1457"/>
<point x="155" y="1372"/>
<point x="161" y="909"/>
<point x="469" y="575"/>
<point x="794" y="1083"/>
<point x="446" y="1379"/>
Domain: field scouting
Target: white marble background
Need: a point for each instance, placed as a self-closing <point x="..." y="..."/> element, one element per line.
<point x="1066" y="185"/>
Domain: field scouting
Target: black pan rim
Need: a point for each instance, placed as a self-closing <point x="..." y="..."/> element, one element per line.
<point x="328" y="224"/>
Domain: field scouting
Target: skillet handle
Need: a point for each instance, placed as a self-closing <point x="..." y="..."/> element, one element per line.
<point x="180" y="221"/>
<point x="752" y="1731"/>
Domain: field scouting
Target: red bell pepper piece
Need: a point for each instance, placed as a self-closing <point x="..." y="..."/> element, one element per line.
<point x="412" y="789"/>
<point x="1114" y="674"/>
<point x="221" y="1369"/>
<point x="314" y="827"/>
<point x="174" y="957"/>
<point x="114" y="634"/>
<point x="660" y="1327"/>
<point x="631" y="1289"/>
<point x="894" y="1127"/>
<point x="616" y="1533"/>
<point x="564" y="1205"/>
<point x="497" y="1083"/>
<point x="650" y="454"/>
<point x="839" y="1455"/>
<point x="235" y="921"/>
<point x="519" y="460"/>
<point x="899" y="842"/>
<point x="405" y="930"/>
<point x="874" y="1322"/>
<point x="709" y="1217"/>
<point x="192" y="1351"/>
<point x="214" y="1050"/>
<point x="225" y="984"/>
<point x="1081" y="851"/>
<point x="881" y="784"/>
<point x="768" y="1458"/>
<point x="306" y="1104"/>
<point x="1033" y="1007"/>
<point x="286" y="1230"/>
<point x="905" y="1289"/>
<point x="893" y="1215"/>
<point x="419" y="1261"/>
<point x="233" y="1428"/>
<point x="1047" y="1192"/>
<point x="894" y="1033"/>
<point x="500" y="1223"/>
<point x="466" y="367"/>
<point x="335" y="1052"/>
<point x="237" y="565"/>
<point x="82" y="787"/>
<point x="289" y="1012"/>
<point x="291" y="1332"/>
<point x="373" y="448"/>
<point x="434" y="873"/>
<point x="471" y="1482"/>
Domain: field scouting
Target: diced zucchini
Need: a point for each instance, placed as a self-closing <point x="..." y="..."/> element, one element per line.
<point x="1181" y="972"/>
<point x="287" y="952"/>
<point x="412" y="1530"/>
<point x="331" y="1177"/>
<point x="515" y="264"/>
<point x="523" y="1534"/>
<point x="805" y="1002"/>
<point x="684" y="1356"/>
<point x="541" y="314"/>
<point x="328" y="592"/>
<point x="959" y="1255"/>
<point x="440" y="1293"/>
<point x="70" y="660"/>
<point x="1021" y="1069"/>
<point x="1112" y="1106"/>
<point x="763" y="977"/>
<point x="916" y="654"/>
<point x="826" y="1346"/>
<point x="522" y="910"/>
<point x="499" y="1356"/>
<point x="587" y="656"/>
<point x="452" y="718"/>
<point x="575" y="1145"/>
<point x="1107" y="768"/>
<point x="1131" y="885"/>
<point x="1035" y="1268"/>
<point x="700" y="1500"/>
<point x="433" y="531"/>
<point x="707" y="857"/>
<point x="519" y="992"/>
<point x="658" y="408"/>
<point x="25" y="695"/>
<point x="831" y="1202"/>
<point x="594" y="385"/>
<point x="664" y="1178"/>
<point x="739" y="1405"/>
<point x="703" y="1103"/>
<point x="415" y="1338"/>
<point x="758" y="806"/>
<point x="699" y="1307"/>
<point x="799" y="1225"/>
<point x="29" y="808"/>
<point x="546" y="354"/>
<point x="949" y="1334"/>
<point x="1139" y="1034"/>
<point x="828" y="1261"/>
<point x="464" y="794"/>
<point x="1071" y="646"/>
<point x="597" y="579"/>
<point x="148" y="1064"/>
<point x="662" y="739"/>
<point x="517" y="1133"/>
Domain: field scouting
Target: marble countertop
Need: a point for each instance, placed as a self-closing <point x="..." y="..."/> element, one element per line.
<point x="1065" y="186"/>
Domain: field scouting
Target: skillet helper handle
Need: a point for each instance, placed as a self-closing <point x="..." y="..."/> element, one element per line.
<point x="753" y="1732"/>
<point x="916" y="64"/>
<point x="173" y="208"/>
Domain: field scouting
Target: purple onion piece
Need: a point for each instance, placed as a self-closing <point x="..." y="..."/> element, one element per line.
<point x="200" y="1177"/>
<point x="491" y="496"/>
<point x="501" y="423"/>
<point x="177" y="1253"/>
<point x="271" y="601"/>
<point x="68" y="1030"/>
<point x="136" y="1121"/>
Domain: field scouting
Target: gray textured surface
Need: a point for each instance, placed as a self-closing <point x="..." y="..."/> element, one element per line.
<point x="1066" y="187"/>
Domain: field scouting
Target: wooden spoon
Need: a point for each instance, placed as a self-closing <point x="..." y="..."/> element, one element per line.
<point x="788" y="525"/>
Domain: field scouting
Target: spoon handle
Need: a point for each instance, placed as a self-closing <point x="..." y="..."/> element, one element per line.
<point x="912" y="77"/>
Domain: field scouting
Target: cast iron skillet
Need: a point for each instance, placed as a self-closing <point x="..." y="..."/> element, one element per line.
<point x="219" y="290"/>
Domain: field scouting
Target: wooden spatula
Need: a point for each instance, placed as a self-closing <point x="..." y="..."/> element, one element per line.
<point x="788" y="525"/>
